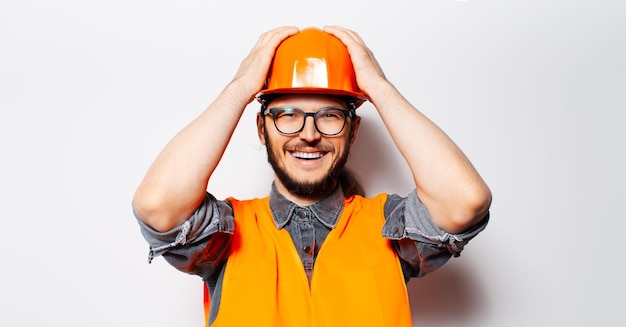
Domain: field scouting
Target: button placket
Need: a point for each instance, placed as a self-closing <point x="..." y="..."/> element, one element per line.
<point x="307" y="232"/>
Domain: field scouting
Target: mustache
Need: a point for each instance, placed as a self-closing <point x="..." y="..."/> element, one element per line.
<point x="308" y="147"/>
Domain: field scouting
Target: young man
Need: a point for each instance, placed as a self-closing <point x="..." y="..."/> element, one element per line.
<point x="314" y="252"/>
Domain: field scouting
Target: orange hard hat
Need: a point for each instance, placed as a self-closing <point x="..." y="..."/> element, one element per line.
<point x="312" y="62"/>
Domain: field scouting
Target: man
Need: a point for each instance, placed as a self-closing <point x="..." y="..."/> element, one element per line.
<point x="314" y="252"/>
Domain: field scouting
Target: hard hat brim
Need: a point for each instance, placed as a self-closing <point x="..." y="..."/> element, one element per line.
<point x="358" y="97"/>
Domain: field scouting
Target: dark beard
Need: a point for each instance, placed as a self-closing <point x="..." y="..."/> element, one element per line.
<point x="310" y="190"/>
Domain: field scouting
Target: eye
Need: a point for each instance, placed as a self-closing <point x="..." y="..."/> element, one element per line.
<point x="284" y="114"/>
<point x="287" y="113"/>
<point x="332" y="114"/>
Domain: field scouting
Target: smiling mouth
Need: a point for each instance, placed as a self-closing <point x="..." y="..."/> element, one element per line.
<point x="308" y="155"/>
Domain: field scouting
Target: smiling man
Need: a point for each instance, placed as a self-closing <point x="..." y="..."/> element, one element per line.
<point x="316" y="251"/>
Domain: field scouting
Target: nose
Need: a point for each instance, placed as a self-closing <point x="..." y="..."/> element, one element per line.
<point x="309" y="133"/>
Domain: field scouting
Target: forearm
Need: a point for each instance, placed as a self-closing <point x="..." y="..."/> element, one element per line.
<point x="449" y="186"/>
<point x="447" y="183"/>
<point x="176" y="182"/>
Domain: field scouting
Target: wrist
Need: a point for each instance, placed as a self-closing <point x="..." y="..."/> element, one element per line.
<point x="383" y="92"/>
<point x="238" y="90"/>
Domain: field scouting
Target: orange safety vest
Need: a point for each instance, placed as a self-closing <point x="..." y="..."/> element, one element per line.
<point x="357" y="279"/>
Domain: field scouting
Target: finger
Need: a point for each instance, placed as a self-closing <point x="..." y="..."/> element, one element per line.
<point x="277" y="35"/>
<point x="353" y="42"/>
<point x="344" y="34"/>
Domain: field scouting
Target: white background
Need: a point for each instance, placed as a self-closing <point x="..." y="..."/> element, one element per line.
<point x="532" y="91"/>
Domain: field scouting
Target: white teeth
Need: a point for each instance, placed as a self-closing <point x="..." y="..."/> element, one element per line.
<point x="307" y="155"/>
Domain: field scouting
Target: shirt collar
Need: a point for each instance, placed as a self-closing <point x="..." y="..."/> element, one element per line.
<point x="327" y="210"/>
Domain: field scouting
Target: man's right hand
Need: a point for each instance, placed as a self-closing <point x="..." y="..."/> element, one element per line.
<point x="254" y="68"/>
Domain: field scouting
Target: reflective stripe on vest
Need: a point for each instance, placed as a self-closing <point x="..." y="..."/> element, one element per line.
<point x="357" y="279"/>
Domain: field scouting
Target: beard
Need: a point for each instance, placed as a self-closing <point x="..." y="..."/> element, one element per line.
<point x="307" y="189"/>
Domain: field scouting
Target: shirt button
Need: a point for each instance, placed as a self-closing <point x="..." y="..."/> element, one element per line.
<point x="307" y="249"/>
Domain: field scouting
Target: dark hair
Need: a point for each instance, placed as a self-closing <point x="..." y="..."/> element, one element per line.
<point x="347" y="179"/>
<point x="350" y="184"/>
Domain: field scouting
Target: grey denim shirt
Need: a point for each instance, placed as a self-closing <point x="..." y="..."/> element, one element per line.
<point x="200" y="246"/>
<point x="418" y="241"/>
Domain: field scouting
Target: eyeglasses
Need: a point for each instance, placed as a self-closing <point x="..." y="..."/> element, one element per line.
<point x="290" y="120"/>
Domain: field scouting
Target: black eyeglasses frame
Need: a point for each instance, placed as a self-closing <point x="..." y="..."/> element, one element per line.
<point x="346" y="113"/>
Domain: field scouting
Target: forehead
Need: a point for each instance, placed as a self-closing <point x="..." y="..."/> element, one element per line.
<point x="308" y="102"/>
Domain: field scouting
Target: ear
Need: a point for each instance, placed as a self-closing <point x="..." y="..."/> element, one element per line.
<point x="260" y="127"/>
<point x="354" y="129"/>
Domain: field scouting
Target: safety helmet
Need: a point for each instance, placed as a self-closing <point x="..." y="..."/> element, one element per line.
<point x="312" y="62"/>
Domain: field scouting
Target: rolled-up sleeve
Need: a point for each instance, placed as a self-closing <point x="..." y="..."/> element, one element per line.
<point x="200" y="244"/>
<point x="420" y="243"/>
